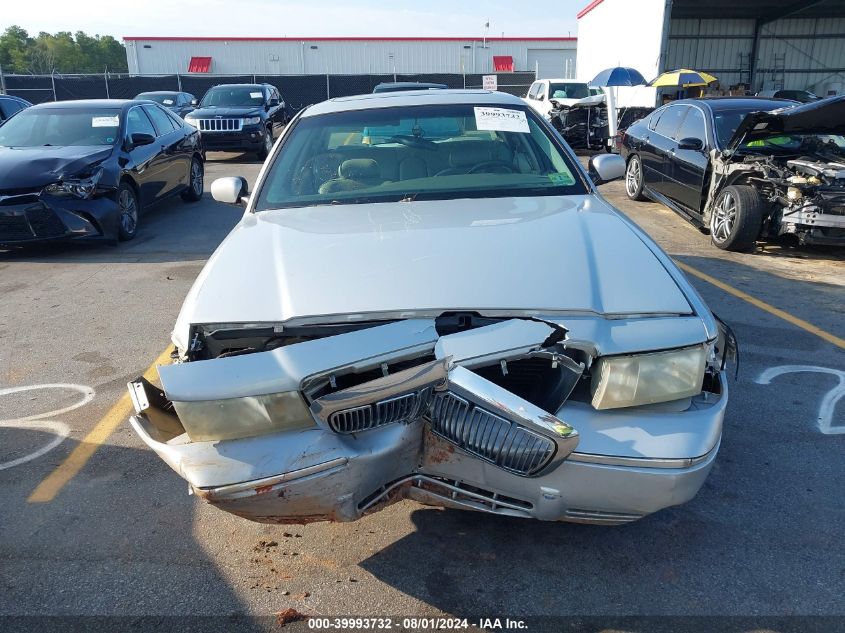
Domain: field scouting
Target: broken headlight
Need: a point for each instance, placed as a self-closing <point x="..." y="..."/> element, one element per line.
<point x="233" y="418"/>
<point x="630" y="381"/>
<point x="81" y="187"/>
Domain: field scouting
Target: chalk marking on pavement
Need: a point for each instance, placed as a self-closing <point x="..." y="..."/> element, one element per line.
<point x="828" y="404"/>
<point x="767" y="307"/>
<point x="53" y="483"/>
<point x="38" y="421"/>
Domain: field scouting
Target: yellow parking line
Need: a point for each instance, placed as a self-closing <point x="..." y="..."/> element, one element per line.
<point x="51" y="485"/>
<point x="781" y="314"/>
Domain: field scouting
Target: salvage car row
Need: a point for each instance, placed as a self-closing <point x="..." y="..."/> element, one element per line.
<point x="88" y="169"/>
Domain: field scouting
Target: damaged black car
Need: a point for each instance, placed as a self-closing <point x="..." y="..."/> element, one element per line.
<point x="88" y="169"/>
<point x="744" y="169"/>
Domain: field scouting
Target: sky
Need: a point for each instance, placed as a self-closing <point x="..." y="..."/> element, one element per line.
<point x="286" y="18"/>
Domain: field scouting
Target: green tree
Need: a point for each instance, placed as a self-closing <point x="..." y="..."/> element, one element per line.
<point x="62" y="52"/>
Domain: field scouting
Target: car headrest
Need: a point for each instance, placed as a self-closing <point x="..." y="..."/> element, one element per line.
<point x="359" y="168"/>
<point x="464" y="154"/>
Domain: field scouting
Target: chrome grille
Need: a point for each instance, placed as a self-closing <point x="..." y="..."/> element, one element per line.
<point x="489" y="436"/>
<point x="402" y="408"/>
<point x="220" y="125"/>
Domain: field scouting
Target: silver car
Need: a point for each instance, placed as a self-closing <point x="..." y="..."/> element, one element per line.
<point x="426" y="298"/>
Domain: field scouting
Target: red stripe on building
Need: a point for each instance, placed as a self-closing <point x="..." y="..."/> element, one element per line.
<point x="586" y="9"/>
<point x="347" y="39"/>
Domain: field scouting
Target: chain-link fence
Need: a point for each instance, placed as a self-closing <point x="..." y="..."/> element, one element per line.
<point x="298" y="90"/>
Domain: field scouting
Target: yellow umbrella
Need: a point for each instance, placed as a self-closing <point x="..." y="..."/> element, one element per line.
<point x="682" y="78"/>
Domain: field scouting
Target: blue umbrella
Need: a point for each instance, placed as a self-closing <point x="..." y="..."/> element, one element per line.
<point x="618" y="76"/>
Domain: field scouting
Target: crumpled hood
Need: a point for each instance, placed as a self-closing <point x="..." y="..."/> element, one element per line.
<point x="817" y="117"/>
<point x="31" y="167"/>
<point x="225" y="111"/>
<point x="487" y="255"/>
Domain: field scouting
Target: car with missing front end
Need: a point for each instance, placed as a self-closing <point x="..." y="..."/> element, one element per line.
<point x="456" y="318"/>
<point x="239" y="118"/>
<point x="744" y="168"/>
<point x="88" y="169"/>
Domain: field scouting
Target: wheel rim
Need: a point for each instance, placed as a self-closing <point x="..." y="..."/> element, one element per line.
<point x="632" y="178"/>
<point x="724" y="218"/>
<point x="128" y="211"/>
<point x="196" y="177"/>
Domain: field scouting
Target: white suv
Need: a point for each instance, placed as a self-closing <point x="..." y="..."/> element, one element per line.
<point x="564" y="91"/>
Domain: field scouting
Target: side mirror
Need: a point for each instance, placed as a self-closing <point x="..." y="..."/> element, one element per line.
<point x="605" y="168"/>
<point x="691" y="143"/>
<point x="195" y="102"/>
<point x="230" y="190"/>
<point x="139" y="139"/>
<point x="273" y="103"/>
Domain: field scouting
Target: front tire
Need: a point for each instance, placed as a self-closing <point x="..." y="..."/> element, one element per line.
<point x="267" y="146"/>
<point x="195" y="182"/>
<point x="634" y="178"/>
<point x="737" y="218"/>
<point x="130" y="211"/>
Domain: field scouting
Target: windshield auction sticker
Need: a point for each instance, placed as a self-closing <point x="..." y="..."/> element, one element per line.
<point x="501" y="120"/>
<point x="105" y="121"/>
<point x="255" y="95"/>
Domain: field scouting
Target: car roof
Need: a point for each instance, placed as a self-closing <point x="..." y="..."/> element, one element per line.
<point x="407" y="84"/>
<point x="410" y="98"/>
<point x="732" y="103"/>
<point x="13" y="98"/>
<point x="81" y="104"/>
<point x="241" y="86"/>
<point x="160" y="92"/>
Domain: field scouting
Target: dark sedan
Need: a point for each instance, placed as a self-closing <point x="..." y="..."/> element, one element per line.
<point x="87" y="169"/>
<point x="10" y="105"/>
<point x="177" y="102"/>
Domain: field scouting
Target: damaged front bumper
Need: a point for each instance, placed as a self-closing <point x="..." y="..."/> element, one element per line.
<point x="437" y="431"/>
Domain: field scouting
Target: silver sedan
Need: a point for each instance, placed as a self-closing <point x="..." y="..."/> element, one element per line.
<point x="427" y="298"/>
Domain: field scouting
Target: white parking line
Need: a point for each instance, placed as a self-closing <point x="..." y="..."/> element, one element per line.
<point x="828" y="404"/>
<point x="39" y="420"/>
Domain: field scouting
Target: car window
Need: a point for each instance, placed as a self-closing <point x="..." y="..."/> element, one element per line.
<point x="234" y="96"/>
<point x="162" y="122"/>
<point x="541" y="93"/>
<point x="569" y="91"/>
<point x="418" y="152"/>
<point x="653" y="118"/>
<point x="670" y="120"/>
<point x="693" y="126"/>
<point x="532" y="92"/>
<point x="138" y="123"/>
<point x="178" y="122"/>
<point x="10" y="106"/>
<point x="65" y="127"/>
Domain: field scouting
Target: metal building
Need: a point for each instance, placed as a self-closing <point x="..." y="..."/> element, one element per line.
<point x="350" y="55"/>
<point x="748" y="44"/>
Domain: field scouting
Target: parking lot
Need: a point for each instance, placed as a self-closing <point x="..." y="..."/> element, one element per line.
<point x="96" y="524"/>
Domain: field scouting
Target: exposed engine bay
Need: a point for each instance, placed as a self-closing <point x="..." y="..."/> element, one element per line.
<point x="805" y="195"/>
<point x="585" y="125"/>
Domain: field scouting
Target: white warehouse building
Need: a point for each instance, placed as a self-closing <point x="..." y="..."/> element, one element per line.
<point x="749" y="45"/>
<point x="550" y="57"/>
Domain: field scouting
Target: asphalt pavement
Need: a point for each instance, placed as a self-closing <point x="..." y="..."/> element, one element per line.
<point x="764" y="537"/>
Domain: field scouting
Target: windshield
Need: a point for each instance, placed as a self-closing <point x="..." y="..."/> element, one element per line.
<point x="568" y="91"/>
<point x="164" y="99"/>
<point x="417" y="153"/>
<point x="239" y="96"/>
<point x="61" y="127"/>
<point x="727" y="121"/>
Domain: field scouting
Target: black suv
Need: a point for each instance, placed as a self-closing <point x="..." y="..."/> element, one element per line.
<point x="239" y="117"/>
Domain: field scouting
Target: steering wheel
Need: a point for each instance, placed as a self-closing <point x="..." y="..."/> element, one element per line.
<point x="413" y="141"/>
<point x="492" y="167"/>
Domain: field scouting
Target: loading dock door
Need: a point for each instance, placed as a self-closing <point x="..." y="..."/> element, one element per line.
<point x="551" y="63"/>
